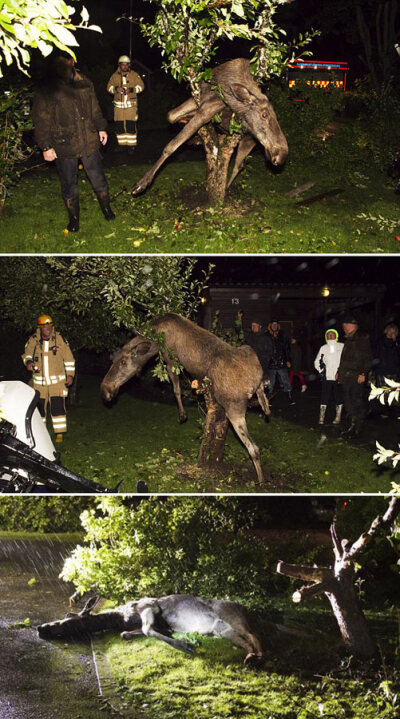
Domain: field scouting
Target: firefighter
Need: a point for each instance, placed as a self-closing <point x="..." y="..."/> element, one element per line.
<point x="48" y="356"/>
<point x="125" y="84"/>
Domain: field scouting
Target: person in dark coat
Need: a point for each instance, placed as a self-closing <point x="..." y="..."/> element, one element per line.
<point x="69" y="125"/>
<point x="280" y="361"/>
<point x="387" y="355"/>
<point x="355" y="364"/>
<point x="258" y="340"/>
<point x="295" y="362"/>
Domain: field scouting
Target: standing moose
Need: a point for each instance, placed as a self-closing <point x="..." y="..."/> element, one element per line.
<point x="234" y="374"/>
<point x="232" y="90"/>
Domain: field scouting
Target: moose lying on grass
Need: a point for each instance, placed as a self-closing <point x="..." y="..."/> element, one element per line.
<point x="182" y="613"/>
<point x="231" y="90"/>
<point x="234" y="373"/>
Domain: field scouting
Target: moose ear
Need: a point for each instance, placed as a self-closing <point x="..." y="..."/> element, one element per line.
<point x="241" y="93"/>
<point x="142" y="348"/>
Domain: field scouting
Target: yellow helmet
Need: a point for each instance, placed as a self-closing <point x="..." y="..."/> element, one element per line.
<point x="44" y="320"/>
<point x="124" y="58"/>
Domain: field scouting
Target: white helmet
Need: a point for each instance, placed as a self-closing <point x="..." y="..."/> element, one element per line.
<point x="124" y="58"/>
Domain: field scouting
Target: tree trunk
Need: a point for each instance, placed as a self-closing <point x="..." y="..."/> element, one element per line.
<point x="338" y="583"/>
<point x="213" y="444"/>
<point x="218" y="149"/>
<point x="349" y="615"/>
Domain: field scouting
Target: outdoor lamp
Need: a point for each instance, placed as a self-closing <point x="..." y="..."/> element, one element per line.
<point x="325" y="292"/>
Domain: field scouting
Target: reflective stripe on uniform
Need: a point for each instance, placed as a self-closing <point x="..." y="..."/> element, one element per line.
<point x="46" y="361"/>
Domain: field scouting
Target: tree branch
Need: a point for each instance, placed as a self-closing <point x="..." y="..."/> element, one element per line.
<point x="366" y="538"/>
<point x="337" y="547"/>
<point x="310" y="574"/>
<point x="310" y="591"/>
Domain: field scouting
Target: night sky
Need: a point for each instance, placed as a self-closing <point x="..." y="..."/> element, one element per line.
<point x="306" y="269"/>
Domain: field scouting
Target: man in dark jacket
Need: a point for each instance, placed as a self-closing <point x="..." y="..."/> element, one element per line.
<point x="280" y="361"/>
<point x="355" y="364"/>
<point x="387" y="355"/>
<point x="69" y="125"/>
<point x="259" y="341"/>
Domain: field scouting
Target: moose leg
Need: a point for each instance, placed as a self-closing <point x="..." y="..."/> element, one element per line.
<point x="238" y="423"/>
<point x="128" y="636"/>
<point x="148" y="626"/>
<point x="245" y="146"/>
<point x="204" y="114"/>
<point x="177" y="391"/>
<point x="262" y="400"/>
<point x="241" y="638"/>
<point x="186" y="110"/>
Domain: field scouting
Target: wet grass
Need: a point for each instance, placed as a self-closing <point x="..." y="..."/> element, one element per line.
<point x="302" y="681"/>
<point x="140" y="438"/>
<point x="173" y="217"/>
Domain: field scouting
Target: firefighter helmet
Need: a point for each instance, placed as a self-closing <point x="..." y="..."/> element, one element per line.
<point x="44" y="320"/>
<point x="124" y="58"/>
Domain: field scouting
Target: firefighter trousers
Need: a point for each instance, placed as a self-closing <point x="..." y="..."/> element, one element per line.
<point x="56" y="404"/>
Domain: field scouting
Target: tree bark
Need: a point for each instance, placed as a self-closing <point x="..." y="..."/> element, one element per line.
<point x="337" y="583"/>
<point x="218" y="149"/>
<point x="214" y="435"/>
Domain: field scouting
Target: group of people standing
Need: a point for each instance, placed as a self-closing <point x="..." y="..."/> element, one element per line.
<point x="344" y="367"/>
<point x="69" y="127"/>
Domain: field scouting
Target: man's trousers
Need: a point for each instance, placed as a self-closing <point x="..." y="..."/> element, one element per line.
<point x="68" y="173"/>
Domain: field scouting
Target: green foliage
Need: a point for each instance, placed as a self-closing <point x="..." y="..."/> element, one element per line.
<point x="41" y="24"/>
<point x="189" y="38"/>
<point x="14" y="121"/>
<point x="94" y="300"/>
<point x="172" y="545"/>
<point x="49" y="514"/>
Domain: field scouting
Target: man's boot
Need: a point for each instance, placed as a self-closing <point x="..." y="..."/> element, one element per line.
<point x="72" y="206"/>
<point x="337" y="419"/>
<point x="290" y="398"/>
<point x="353" y="430"/>
<point x="322" y="410"/>
<point x="104" y="202"/>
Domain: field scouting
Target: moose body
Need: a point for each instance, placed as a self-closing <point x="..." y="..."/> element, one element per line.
<point x="235" y="373"/>
<point x="161" y="617"/>
<point x="231" y="90"/>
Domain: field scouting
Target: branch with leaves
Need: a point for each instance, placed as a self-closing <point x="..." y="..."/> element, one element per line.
<point x="41" y="24"/>
<point x="386" y="396"/>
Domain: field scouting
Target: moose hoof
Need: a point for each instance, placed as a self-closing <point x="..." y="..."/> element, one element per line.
<point x="138" y="188"/>
<point x="183" y="418"/>
<point x="44" y="631"/>
<point x="253" y="660"/>
<point x="127" y="636"/>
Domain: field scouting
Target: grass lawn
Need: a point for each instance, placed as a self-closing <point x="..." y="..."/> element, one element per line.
<point x="140" y="438"/>
<point x="172" y="217"/>
<point x="296" y="682"/>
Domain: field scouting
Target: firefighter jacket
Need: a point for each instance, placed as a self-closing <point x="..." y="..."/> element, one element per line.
<point x="125" y="105"/>
<point x="52" y="361"/>
<point x="67" y="117"/>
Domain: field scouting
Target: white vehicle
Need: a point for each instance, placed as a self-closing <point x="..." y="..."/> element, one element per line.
<point x="28" y="459"/>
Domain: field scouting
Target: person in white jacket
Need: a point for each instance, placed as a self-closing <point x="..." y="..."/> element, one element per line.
<point x="326" y="363"/>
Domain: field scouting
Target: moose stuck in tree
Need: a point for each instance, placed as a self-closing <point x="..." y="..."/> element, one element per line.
<point x="231" y="92"/>
<point x="229" y="375"/>
<point x="338" y="583"/>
